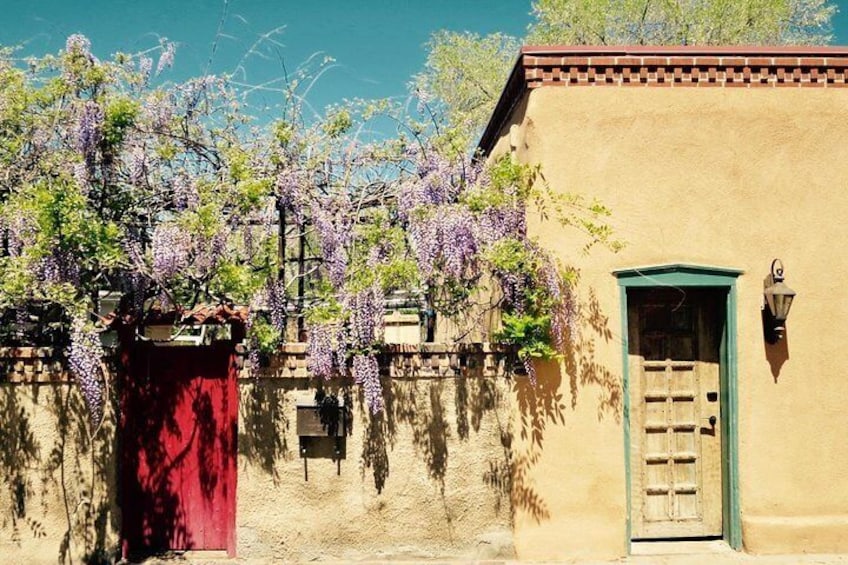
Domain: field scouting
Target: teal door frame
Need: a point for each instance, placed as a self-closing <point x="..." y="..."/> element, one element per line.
<point x="695" y="276"/>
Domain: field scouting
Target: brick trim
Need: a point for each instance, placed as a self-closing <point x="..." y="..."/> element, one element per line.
<point x="426" y="360"/>
<point x="671" y="66"/>
<point x="685" y="71"/>
<point x="25" y="365"/>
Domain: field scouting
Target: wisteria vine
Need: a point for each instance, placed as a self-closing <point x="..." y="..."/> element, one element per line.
<point x="167" y="194"/>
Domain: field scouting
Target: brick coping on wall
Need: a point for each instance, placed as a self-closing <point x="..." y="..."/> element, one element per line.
<point x="27" y="365"/>
<point x="666" y="66"/>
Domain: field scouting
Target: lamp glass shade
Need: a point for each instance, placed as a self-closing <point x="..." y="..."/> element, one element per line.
<point x="779" y="298"/>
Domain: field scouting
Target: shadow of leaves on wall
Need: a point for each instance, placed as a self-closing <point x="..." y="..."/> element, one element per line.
<point x="19" y="451"/>
<point x="426" y="420"/>
<point x="544" y="404"/>
<point x="374" y="453"/>
<point x="580" y="360"/>
<point x="81" y="469"/>
<point x="262" y="435"/>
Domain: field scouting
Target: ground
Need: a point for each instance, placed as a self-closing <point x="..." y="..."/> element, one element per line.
<point x="711" y="558"/>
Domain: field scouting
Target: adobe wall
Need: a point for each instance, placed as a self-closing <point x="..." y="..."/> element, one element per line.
<point x="429" y="478"/>
<point x="58" y="496"/>
<point x="713" y="176"/>
<point x="426" y="479"/>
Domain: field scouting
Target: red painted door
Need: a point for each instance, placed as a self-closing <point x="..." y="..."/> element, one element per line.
<point x="179" y="419"/>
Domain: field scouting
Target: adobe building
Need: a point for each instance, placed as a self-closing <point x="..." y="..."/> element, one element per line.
<point x="708" y="420"/>
<point x="684" y="410"/>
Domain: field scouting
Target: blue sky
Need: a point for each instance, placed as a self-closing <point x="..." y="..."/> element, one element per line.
<point x="377" y="44"/>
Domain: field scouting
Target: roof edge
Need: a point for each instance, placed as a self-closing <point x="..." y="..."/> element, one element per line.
<point x="742" y="50"/>
<point x="516" y="84"/>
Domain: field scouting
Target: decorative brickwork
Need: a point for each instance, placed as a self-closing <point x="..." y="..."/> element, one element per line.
<point x="679" y="66"/>
<point x="677" y="71"/>
<point x="31" y="365"/>
<point x="441" y="360"/>
<point x="429" y="360"/>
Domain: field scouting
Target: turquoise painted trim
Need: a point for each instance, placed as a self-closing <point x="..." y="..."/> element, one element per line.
<point x="680" y="274"/>
<point x="625" y="347"/>
<point x="677" y="274"/>
<point x="730" y="359"/>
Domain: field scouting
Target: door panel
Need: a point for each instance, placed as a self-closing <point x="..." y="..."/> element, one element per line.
<point x="675" y="451"/>
<point x="179" y="449"/>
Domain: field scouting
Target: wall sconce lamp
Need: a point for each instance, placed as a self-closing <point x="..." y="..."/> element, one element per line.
<point x="778" y="299"/>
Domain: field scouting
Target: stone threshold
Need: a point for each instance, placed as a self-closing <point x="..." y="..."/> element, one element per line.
<point x="686" y="547"/>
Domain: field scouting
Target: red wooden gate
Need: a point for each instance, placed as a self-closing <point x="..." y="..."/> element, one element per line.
<point x="179" y="427"/>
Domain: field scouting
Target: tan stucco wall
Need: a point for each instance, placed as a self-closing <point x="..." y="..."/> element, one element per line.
<point x="440" y="455"/>
<point x="57" y="502"/>
<point x="713" y="176"/>
<point x="427" y="479"/>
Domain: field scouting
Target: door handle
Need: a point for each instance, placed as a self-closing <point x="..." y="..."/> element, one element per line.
<point x="712" y="420"/>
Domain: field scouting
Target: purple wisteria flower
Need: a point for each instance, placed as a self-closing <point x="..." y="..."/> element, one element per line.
<point x="459" y="244"/>
<point x="166" y="60"/>
<point x="21" y="231"/>
<point x="445" y="240"/>
<point x="321" y="353"/>
<point x="496" y="223"/>
<point x="59" y="267"/>
<point x="436" y="181"/>
<point x="171" y="246"/>
<point x="564" y="314"/>
<point x="290" y="183"/>
<point x="334" y="234"/>
<point x="84" y="357"/>
<point x="366" y="372"/>
<point x="186" y="194"/>
<point x="366" y="309"/>
<point x="275" y="292"/>
<point x="90" y="130"/>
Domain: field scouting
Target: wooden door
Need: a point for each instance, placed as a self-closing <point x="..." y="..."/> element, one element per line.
<point x="179" y="418"/>
<point x="675" y="416"/>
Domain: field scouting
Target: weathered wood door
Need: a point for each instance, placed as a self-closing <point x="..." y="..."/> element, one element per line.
<point x="179" y="418"/>
<point x="675" y="416"/>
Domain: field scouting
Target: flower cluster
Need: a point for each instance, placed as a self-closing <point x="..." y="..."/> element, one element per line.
<point x="366" y="372"/>
<point x="436" y="180"/>
<point x="275" y="293"/>
<point x="171" y="246"/>
<point x="185" y="194"/>
<point x="366" y="312"/>
<point x="166" y="60"/>
<point x="89" y="130"/>
<point x="84" y="357"/>
<point x="290" y="184"/>
<point x="327" y="350"/>
<point x="334" y="233"/>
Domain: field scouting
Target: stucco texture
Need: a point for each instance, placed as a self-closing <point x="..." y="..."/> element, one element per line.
<point x="57" y="486"/>
<point x="427" y="479"/>
<point x="711" y="176"/>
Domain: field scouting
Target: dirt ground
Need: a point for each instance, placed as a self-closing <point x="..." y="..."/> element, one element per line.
<point x="717" y="558"/>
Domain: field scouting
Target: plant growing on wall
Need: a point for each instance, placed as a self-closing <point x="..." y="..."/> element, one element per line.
<point x="109" y="183"/>
<point x="171" y="196"/>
